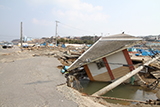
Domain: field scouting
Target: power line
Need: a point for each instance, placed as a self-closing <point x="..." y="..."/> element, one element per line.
<point x="6" y="36"/>
<point x="9" y="37"/>
<point x="75" y="27"/>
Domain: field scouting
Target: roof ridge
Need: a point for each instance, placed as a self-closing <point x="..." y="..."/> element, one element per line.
<point x="120" y="36"/>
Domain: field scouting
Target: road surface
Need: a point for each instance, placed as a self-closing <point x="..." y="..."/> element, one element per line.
<point x="32" y="82"/>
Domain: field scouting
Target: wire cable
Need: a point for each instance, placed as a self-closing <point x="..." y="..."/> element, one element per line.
<point x="75" y="27"/>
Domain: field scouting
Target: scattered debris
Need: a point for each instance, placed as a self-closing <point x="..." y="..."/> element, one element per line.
<point x="139" y="56"/>
<point x="120" y="99"/>
<point x="122" y="79"/>
<point x="153" y="102"/>
<point x="156" y="74"/>
<point x="73" y="63"/>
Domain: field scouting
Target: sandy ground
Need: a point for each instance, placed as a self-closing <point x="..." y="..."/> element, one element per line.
<point x="27" y="81"/>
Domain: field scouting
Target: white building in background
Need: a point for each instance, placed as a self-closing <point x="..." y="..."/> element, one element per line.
<point x="29" y="39"/>
<point x="25" y="38"/>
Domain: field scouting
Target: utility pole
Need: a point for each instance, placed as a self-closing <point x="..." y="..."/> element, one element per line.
<point x="56" y="30"/>
<point x="94" y="37"/>
<point x="101" y="34"/>
<point x="21" y="36"/>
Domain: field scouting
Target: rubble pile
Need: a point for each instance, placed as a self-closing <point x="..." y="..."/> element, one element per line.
<point x="66" y="55"/>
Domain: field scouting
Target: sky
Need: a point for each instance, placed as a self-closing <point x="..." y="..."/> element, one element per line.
<point x="78" y="18"/>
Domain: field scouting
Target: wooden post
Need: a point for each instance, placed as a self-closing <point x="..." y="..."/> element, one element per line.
<point x="88" y="72"/>
<point x="108" y="68"/>
<point x="21" y="36"/>
<point x="128" y="59"/>
<point x="122" y="79"/>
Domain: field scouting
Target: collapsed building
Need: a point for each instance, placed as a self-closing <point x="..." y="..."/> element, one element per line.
<point x="107" y="59"/>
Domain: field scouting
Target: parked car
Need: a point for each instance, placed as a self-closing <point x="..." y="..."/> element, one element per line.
<point x="7" y="45"/>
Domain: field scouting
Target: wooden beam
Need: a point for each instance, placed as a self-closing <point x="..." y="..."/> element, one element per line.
<point x="114" y="98"/>
<point x="88" y="72"/>
<point x="122" y="79"/>
<point x="108" y="68"/>
<point x="128" y="59"/>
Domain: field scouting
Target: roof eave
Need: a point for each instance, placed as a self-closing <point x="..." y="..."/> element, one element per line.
<point x="82" y="55"/>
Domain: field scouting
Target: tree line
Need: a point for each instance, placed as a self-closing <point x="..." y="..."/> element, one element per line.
<point x="82" y="40"/>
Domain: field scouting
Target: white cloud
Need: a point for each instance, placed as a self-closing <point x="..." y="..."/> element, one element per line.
<point x="78" y="5"/>
<point x="73" y="12"/>
<point x="42" y="22"/>
<point x="35" y="21"/>
<point x="89" y="7"/>
<point x="67" y="4"/>
<point x="77" y="15"/>
<point x="77" y="10"/>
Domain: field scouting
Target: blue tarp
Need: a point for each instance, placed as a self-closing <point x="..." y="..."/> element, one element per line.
<point x="63" y="46"/>
<point x="148" y="52"/>
<point x="157" y="51"/>
<point x="50" y="44"/>
<point x="89" y="45"/>
<point x="132" y="49"/>
<point x="62" y="71"/>
<point x="66" y="67"/>
<point x="137" y="54"/>
<point x="44" y="43"/>
<point x="144" y="53"/>
<point x="138" y="50"/>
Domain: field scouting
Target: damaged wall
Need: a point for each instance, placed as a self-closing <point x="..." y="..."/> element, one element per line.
<point x="113" y="69"/>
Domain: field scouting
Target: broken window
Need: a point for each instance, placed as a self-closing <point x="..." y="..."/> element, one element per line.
<point x="100" y="64"/>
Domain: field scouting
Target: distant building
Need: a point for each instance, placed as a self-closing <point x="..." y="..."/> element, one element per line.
<point x="15" y="41"/>
<point x="152" y="38"/>
<point x="25" y="39"/>
<point x="29" y="39"/>
<point x="65" y="38"/>
<point x="76" y="38"/>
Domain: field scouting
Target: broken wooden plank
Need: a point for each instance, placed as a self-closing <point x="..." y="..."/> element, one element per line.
<point x="156" y="65"/>
<point x="120" y="99"/>
<point x="140" y="58"/>
<point x="74" y="53"/>
<point x="71" y="56"/>
<point x="122" y="79"/>
<point x="156" y="74"/>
